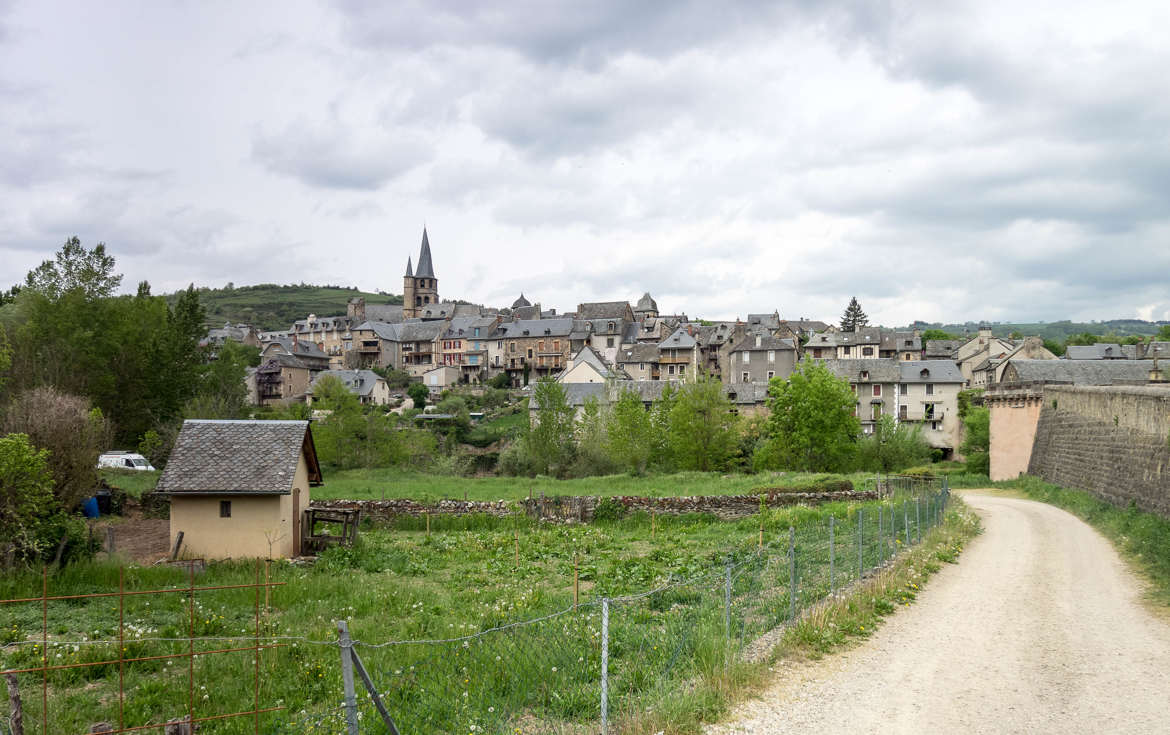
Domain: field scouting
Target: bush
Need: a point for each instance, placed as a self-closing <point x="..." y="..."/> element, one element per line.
<point x="32" y="521"/>
<point x="608" y="509"/>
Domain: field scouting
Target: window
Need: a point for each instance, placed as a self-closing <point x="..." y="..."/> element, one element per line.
<point x="511" y="347"/>
<point x="868" y="429"/>
<point x="930" y="389"/>
<point x="928" y="413"/>
<point x="845" y="351"/>
<point x="771" y="355"/>
<point x="225" y="509"/>
<point x="877" y="411"/>
<point x="530" y="353"/>
<point x="934" y="426"/>
<point x="747" y="378"/>
<point x="877" y="390"/>
<point x="556" y="345"/>
<point x="540" y="345"/>
<point x="499" y="344"/>
<point x="670" y="370"/>
<point x="902" y="412"/>
<point x="865" y="375"/>
<point x="609" y="341"/>
<point x="902" y="388"/>
<point x="866" y="351"/>
<point x="682" y="369"/>
<point x="771" y="374"/>
<point x="642" y="366"/>
<point x="747" y="358"/>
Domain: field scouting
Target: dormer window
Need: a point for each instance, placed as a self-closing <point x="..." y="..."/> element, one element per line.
<point x="925" y="373"/>
<point x="865" y="375"/>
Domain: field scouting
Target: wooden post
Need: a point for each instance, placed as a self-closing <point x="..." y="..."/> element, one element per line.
<point x="464" y="496"/>
<point x="16" y="718"/>
<point x="109" y="539"/>
<point x="267" y="565"/>
<point x="428" y="517"/>
<point x="61" y="549"/>
<point x="517" y="549"/>
<point x="653" y="523"/>
<point x="760" y="545"/>
<point x="178" y="545"/>
<point x="576" y="582"/>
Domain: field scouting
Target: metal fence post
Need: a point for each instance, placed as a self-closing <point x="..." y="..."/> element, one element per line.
<point x="727" y="604"/>
<point x="604" y="665"/>
<point x="346" y="645"/>
<point x="918" y="518"/>
<point x="832" y="558"/>
<point x="791" y="573"/>
<point x="860" y="555"/>
<point x="881" y="549"/>
<point x="906" y="522"/>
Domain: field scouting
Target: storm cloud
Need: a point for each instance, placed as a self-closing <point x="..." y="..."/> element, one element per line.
<point x="940" y="161"/>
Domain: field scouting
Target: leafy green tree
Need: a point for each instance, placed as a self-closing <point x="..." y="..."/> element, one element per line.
<point x="592" y="457"/>
<point x="977" y="443"/>
<point x="661" y="451"/>
<point x="933" y="334"/>
<point x="1163" y="334"/>
<point x="1054" y="346"/>
<point x="702" y="426"/>
<point x="811" y="426"/>
<point x="27" y="502"/>
<point x="89" y="273"/>
<point x="629" y="433"/>
<point x="892" y="446"/>
<point x="1083" y="339"/>
<point x="418" y="393"/>
<point x="5" y="358"/>
<point x="222" y="391"/>
<point x="501" y="381"/>
<point x="550" y="441"/>
<point x="460" y="424"/>
<point x="853" y="318"/>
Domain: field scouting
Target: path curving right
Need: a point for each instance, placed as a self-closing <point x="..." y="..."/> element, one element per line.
<point x="1040" y="628"/>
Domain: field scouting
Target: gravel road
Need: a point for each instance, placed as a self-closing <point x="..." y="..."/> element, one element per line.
<point x="1040" y="628"/>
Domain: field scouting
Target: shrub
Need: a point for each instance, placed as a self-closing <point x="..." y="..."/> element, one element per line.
<point x="608" y="509"/>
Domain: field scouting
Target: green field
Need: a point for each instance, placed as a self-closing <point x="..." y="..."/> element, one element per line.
<point x="272" y="307"/>
<point x="367" y="484"/>
<point x="399" y="583"/>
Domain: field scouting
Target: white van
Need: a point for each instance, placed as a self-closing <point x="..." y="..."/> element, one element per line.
<point x="124" y="461"/>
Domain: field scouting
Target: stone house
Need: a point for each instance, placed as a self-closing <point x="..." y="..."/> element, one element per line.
<point x="639" y="361"/>
<point x="875" y="383"/>
<point x="530" y="348"/>
<point x="990" y="371"/>
<point x="439" y="378"/>
<point x="281" y="379"/>
<point x="238" y="489"/>
<point x="376" y="344"/>
<point x="715" y="343"/>
<point x="864" y="344"/>
<point x="588" y="367"/>
<point x="309" y="353"/>
<point x="1076" y="372"/>
<point x="605" y="324"/>
<point x="678" y="355"/>
<point x="928" y="394"/>
<point x="975" y="350"/>
<point x="370" y="388"/>
<point x="464" y="344"/>
<point x="417" y="345"/>
<point x="757" y="358"/>
<point x="244" y="334"/>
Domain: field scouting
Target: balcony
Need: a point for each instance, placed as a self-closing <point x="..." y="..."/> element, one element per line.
<point x="666" y="359"/>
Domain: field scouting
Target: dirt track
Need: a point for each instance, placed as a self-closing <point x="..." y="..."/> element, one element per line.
<point x="1039" y="628"/>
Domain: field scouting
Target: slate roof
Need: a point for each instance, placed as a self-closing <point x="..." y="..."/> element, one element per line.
<point x="863" y="336"/>
<point x="943" y="348"/>
<point x="1099" y="351"/>
<point x="425" y="269"/>
<point x="389" y="313"/>
<point x="679" y="340"/>
<point x="279" y="360"/>
<point x="639" y="352"/>
<point x="768" y="321"/>
<point x="1081" y="372"/>
<point x="603" y="310"/>
<point x="746" y="393"/>
<point x="559" y="327"/>
<point x="361" y="382"/>
<point x="880" y="369"/>
<point x="409" y="272"/>
<point x="521" y="302"/>
<point x="238" y="458"/>
<point x="420" y="331"/>
<point x="646" y="303"/>
<point x="302" y="348"/>
<point x="937" y="371"/>
<point x="907" y="341"/>
<point x="383" y="330"/>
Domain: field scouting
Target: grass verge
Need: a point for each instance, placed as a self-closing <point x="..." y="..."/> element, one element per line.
<point x="830" y="626"/>
<point x="1142" y="537"/>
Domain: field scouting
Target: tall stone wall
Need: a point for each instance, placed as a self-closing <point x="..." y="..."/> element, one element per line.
<point x="1015" y="414"/>
<point x="1112" y="441"/>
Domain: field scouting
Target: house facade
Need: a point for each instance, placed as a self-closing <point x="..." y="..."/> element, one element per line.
<point x="760" y="357"/>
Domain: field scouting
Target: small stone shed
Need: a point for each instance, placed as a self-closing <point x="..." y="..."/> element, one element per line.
<point x="238" y="489"/>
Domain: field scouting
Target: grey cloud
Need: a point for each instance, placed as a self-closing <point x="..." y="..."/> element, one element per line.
<point x="335" y="157"/>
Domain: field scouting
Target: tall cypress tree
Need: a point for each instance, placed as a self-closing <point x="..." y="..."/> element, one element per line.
<point x="854" y="317"/>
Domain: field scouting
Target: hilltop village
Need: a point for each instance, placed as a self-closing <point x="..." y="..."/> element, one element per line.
<point x="603" y="348"/>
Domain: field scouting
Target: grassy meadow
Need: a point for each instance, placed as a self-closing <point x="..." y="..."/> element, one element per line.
<point x="399" y="583"/>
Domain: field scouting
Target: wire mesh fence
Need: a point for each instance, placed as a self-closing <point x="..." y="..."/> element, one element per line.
<point x="590" y="667"/>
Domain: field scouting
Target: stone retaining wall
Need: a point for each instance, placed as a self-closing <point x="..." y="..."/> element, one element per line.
<point x="1103" y="441"/>
<point x="581" y="508"/>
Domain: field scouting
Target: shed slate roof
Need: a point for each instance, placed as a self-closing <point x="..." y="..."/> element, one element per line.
<point x="389" y="313"/>
<point x="1099" y="351"/>
<point x="638" y="352"/>
<point x="604" y="310"/>
<point x="880" y="369"/>
<point x="559" y="327"/>
<point x="681" y="339"/>
<point x="238" y="458"/>
<point x="766" y="342"/>
<point x="943" y="348"/>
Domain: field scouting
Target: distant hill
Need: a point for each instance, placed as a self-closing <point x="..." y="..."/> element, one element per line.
<point x="268" y="306"/>
<point x="1058" y="331"/>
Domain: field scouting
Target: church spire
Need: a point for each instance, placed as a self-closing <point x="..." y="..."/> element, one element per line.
<point x="425" y="269"/>
<point x="409" y="274"/>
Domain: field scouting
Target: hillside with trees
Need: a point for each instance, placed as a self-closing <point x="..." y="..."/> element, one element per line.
<point x="1059" y="331"/>
<point x="268" y="306"/>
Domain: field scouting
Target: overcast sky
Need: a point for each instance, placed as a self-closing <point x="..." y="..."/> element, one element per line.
<point x="939" y="160"/>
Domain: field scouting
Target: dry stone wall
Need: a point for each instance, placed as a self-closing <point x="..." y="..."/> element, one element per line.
<point x="1110" y="441"/>
<point x="581" y="508"/>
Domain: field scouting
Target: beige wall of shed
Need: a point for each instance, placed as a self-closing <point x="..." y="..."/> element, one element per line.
<point x="254" y="520"/>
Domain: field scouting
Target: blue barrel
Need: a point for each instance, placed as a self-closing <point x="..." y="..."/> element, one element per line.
<point x="89" y="508"/>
